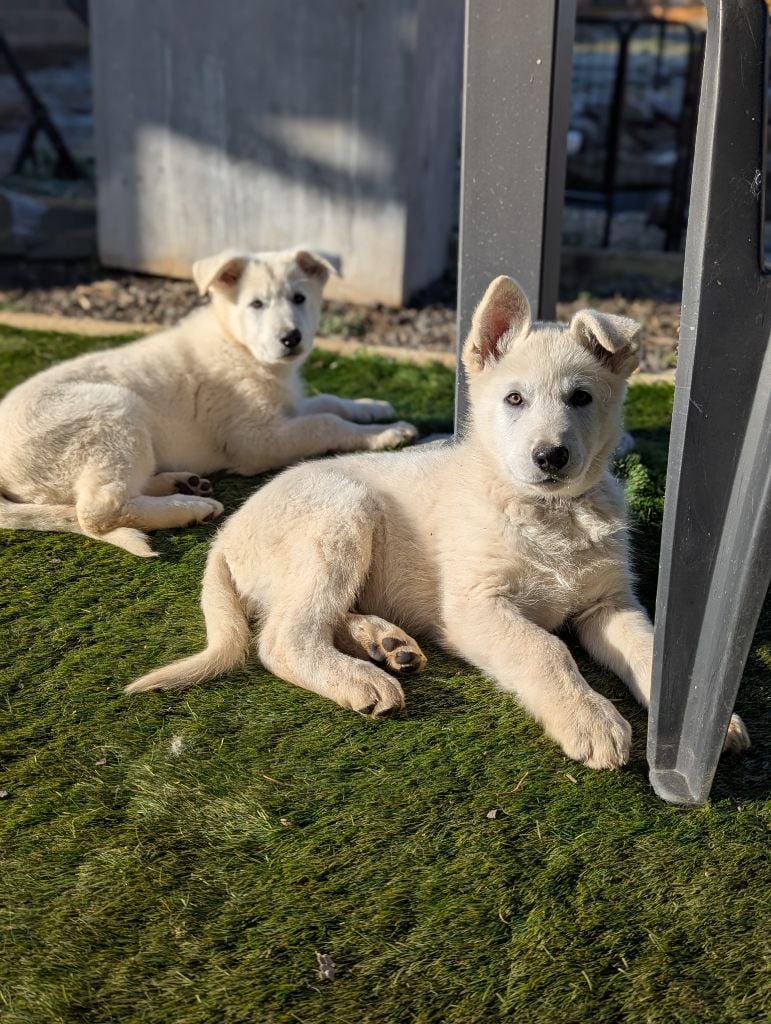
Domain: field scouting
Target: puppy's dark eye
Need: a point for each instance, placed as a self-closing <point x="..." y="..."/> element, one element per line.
<point x="298" y="298"/>
<point x="580" y="397"/>
<point x="514" y="398"/>
<point x="256" y="303"/>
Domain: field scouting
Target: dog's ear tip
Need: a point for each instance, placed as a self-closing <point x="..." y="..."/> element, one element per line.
<point x="615" y="339"/>
<point x="503" y="315"/>
<point x="606" y="329"/>
<point x="209" y="270"/>
<point x="318" y="263"/>
<point x="505" y="283"/>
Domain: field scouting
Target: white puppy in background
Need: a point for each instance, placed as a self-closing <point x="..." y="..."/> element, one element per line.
<point x="115" y="443"/>
<point x="487" y="544"/>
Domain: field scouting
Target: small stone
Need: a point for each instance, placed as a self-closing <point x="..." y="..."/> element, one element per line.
<point x="326" y="966"/>
<point x="496" y="812"/>
<point x="101" y="762"/>
<point x="3" y="794"/>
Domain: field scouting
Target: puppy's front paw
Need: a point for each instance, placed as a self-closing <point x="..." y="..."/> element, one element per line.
<point x="203" y="510"/>
<point x="380" y="699"/>
<point x="392" y="436"/>
<point x="369" y="410"/>
<point x="737" y="739"/>
<point x="596" y="734"/>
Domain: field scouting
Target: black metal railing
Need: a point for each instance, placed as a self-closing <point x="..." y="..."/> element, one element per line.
<point x="635" y="91"/>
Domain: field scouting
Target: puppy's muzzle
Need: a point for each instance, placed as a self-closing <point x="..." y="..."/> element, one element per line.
<point x="291" y="339"/>
<point x="551" y="459"/>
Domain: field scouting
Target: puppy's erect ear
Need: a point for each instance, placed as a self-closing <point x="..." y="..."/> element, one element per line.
<point x="614" y="340"/>
<point x="222" y="271"/>
<point x="502" y="316"/>
<point x="317" y="266"/>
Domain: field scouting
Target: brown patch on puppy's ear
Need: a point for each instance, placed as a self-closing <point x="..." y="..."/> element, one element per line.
<point x="614" y="340"/>
<point x="316" y="266"/>
<point x="502" y="315"/>
<point x="222" y="271"/>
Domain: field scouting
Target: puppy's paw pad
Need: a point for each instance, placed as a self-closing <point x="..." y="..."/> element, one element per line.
<point x="397" y="652"/>
<point x="737" y="739"/>
<point x="195" y="485"/>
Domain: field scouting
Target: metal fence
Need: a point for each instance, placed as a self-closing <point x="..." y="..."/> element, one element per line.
<point x="635" y="89"/>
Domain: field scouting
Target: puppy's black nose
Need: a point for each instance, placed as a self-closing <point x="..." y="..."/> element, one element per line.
<point x="292" y="339"/>
<point x="551" y="458"/>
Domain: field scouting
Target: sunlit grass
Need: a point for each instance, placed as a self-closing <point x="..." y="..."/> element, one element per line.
<point x="180" y="859"/>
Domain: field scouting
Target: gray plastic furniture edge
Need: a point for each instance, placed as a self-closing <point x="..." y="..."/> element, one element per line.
<point x="716" y="547"/>
<point x="516" y="107"/>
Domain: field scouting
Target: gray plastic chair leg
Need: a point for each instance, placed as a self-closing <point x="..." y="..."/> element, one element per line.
<point x="716" y="544"/>
<point x="516" y="108"/>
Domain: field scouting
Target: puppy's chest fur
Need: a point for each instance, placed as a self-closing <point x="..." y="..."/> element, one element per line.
<point x="560" y="557"/>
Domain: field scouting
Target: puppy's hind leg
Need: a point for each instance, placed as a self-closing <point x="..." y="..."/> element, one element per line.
<point x="116" y="459"/>
<point x="322" y="570"/>
<point x="109" y="499"/>
<point x="305" y="655"/>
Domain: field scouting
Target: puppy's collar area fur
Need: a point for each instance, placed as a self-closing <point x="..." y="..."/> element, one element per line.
<point x="594" y="513"/>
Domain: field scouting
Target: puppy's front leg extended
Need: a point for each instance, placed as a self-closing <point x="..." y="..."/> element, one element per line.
<point x="619" y="635"/>
<point x="359" y="410"/>
<point x="539" y="669"/>
<point x="289" y="440"/>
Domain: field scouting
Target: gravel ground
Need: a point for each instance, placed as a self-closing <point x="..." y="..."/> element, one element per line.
<point x="70" y="289"/>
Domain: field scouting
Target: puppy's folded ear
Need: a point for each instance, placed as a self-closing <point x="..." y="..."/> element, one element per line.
<point x="222" y="271"/>
<point x="502" y="316"/>
<point x="614" y="340"/>
<point x="318" y="266"/>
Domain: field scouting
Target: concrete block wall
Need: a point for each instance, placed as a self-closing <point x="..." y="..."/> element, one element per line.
<point x="262" y="124"/>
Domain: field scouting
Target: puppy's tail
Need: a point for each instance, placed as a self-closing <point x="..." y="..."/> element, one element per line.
<point x="227" y="635"/>
<point x="16" y="515"/>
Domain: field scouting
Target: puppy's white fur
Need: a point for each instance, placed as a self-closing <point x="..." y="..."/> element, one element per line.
<point x="471" y="543"/>
<point x="102" y="444"/>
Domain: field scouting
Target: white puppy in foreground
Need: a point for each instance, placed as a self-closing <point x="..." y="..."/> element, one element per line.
<point x="487" y="545"/>
<point x="114" y="443"/>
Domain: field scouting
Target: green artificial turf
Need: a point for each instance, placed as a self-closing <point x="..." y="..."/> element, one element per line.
<point x="181" y="858"/>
